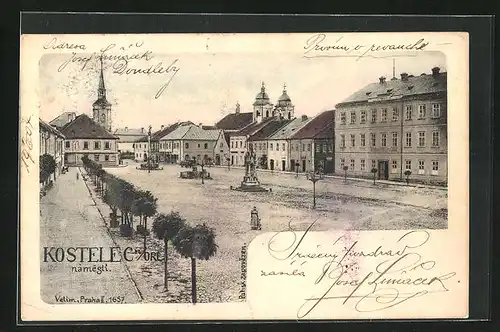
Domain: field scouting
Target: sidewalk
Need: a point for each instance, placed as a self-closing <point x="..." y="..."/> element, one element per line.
<point x="351" y="179"/>
<point x="69" y="218"/>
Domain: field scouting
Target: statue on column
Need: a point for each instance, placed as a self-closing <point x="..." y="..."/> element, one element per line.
<point x="255" y="220"/>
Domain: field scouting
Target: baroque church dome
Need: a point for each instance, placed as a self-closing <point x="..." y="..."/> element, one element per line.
<point x="262" y="97"/>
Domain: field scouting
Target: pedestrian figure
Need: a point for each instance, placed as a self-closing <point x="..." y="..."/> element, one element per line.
<point x="254" y="219"/>
<point x="77" y="175"/>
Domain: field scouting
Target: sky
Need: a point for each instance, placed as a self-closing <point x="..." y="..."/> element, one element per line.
<point x="207" y="86"/>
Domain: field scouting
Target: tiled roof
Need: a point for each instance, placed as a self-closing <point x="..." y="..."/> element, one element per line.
<point x="327" y="132"/>
<point x="48" y="127"/>
<point x="253" y="128"/>
<point x="84" y="127"/>
<point x="269" y="129"/>
<point x="197" y="133"/>
<point x="397" y="88"/>
<point x="130" y="138"/>
<point x="62" y="119"/>
<point x="178" y="133"/>
<point x="290" y="129"/>
<point x="235" y="121"/>
<point x="159" y="134"/>
<point x="315" y="126"/>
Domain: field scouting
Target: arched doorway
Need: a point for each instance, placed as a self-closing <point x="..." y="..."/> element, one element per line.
<point x="145" y="157"/>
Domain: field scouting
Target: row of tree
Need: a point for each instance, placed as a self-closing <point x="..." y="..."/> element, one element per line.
<point x="47" y="168"/>
<point x="190" y="242"/>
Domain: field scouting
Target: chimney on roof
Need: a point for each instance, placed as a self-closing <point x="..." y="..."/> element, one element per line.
<point x="162" y="126"/>
<point x="304" y="117"/>
<point x="237" y="110"/>
<point x="382" y="79"/>
<point x="435" y="71"/>
<point x="404" y="76"/>
<point x="126" y="128"/>
<point x="142" y="129"/>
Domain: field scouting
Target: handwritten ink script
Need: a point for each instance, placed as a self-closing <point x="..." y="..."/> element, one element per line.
<point x="133" y="59"/>
<point x="319" y="45"/>
<point x="358" y="273"/>
<point x="27" y="161"/>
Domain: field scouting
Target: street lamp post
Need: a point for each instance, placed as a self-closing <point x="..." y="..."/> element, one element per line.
<point x="314" y="177"/>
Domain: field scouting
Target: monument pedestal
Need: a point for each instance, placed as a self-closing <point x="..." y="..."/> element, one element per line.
<point x="251" y="185"/>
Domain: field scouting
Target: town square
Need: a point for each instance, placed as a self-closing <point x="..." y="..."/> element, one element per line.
<point x="186" y="196"/>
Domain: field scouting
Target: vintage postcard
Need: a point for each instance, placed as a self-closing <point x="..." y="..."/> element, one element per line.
<point x="244" y="176"/>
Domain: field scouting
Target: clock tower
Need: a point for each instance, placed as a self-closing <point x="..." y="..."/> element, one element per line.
<point x="102" y="107"/>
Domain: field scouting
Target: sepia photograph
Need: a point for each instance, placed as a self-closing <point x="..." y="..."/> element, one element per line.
<point x="179" y="177"/>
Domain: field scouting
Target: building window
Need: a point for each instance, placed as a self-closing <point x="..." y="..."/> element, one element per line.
<point x="421" y="165"/>
<point x="309" y="147"/>
<point x="342" y="117"/>
<point x="374" y="164"/>
<point x="186" y="145"/>
<point x="362" y="164"/>
<point x="394" y="164"/>
<point x="373" y="139"/>
<point x="421" y="111"/>
<point x="232" y="145"/>
<point x="342" y="141"/>
<point x="318" y="147"/>
<point x="271" y="146"/>
<point x="363" y="117"/>
<point x="330" y="147"/>
<point x="106" y="157"/>
<point x="250" y="146"/>
<point x="383" y="139"/>
<point x="394" y="139"/>
<point x="352" y="165"/>
<point x="374" y="115"/>
<point x="342" y="162"/>
<point x="324" y="147"/>
<point x="395" y="114"/>
<point x="277" y="146"/>
<point x="107" y="145"/>
<point x="421" y="138"/>
<point x="241" y="144"/>
<point x="353" y="117"/>
<point x="384" y="115"/>
<point x="436" y="110"/>
<point x="67" y="144"/>
<point x="303" y="147"/>
<point x="96" y="157"/>
<point x="198" y="145"/>
<point x="435" y="165"/>
<point x="97" y="145"/>
<point x="408" y="165"/>
<point x="408" y="112"/>
<point x="435" y="138"/>
<point x="221" y="145"/>
<point x="363" y="139"/>
<point x="284" y="148"/>
<point x="85" y="145"/>
<point x="408" y="140"/>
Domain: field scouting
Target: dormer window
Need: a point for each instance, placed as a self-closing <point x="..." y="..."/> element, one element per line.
<point x="410" y="87"/>
<point x="389" y="90"/>
<point x="368" y="93"/>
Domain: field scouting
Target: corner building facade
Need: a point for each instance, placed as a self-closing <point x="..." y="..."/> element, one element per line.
<point x="395" y="126"/>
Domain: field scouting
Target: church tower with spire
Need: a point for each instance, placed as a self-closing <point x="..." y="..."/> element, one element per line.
<point x="102" y="107"/>
<point x="284" y="108"/>
<point x="262" y="107"/>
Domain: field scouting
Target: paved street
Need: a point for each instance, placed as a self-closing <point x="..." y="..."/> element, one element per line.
<point x="69" y="218"/>
<point x="352" y="206"/>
